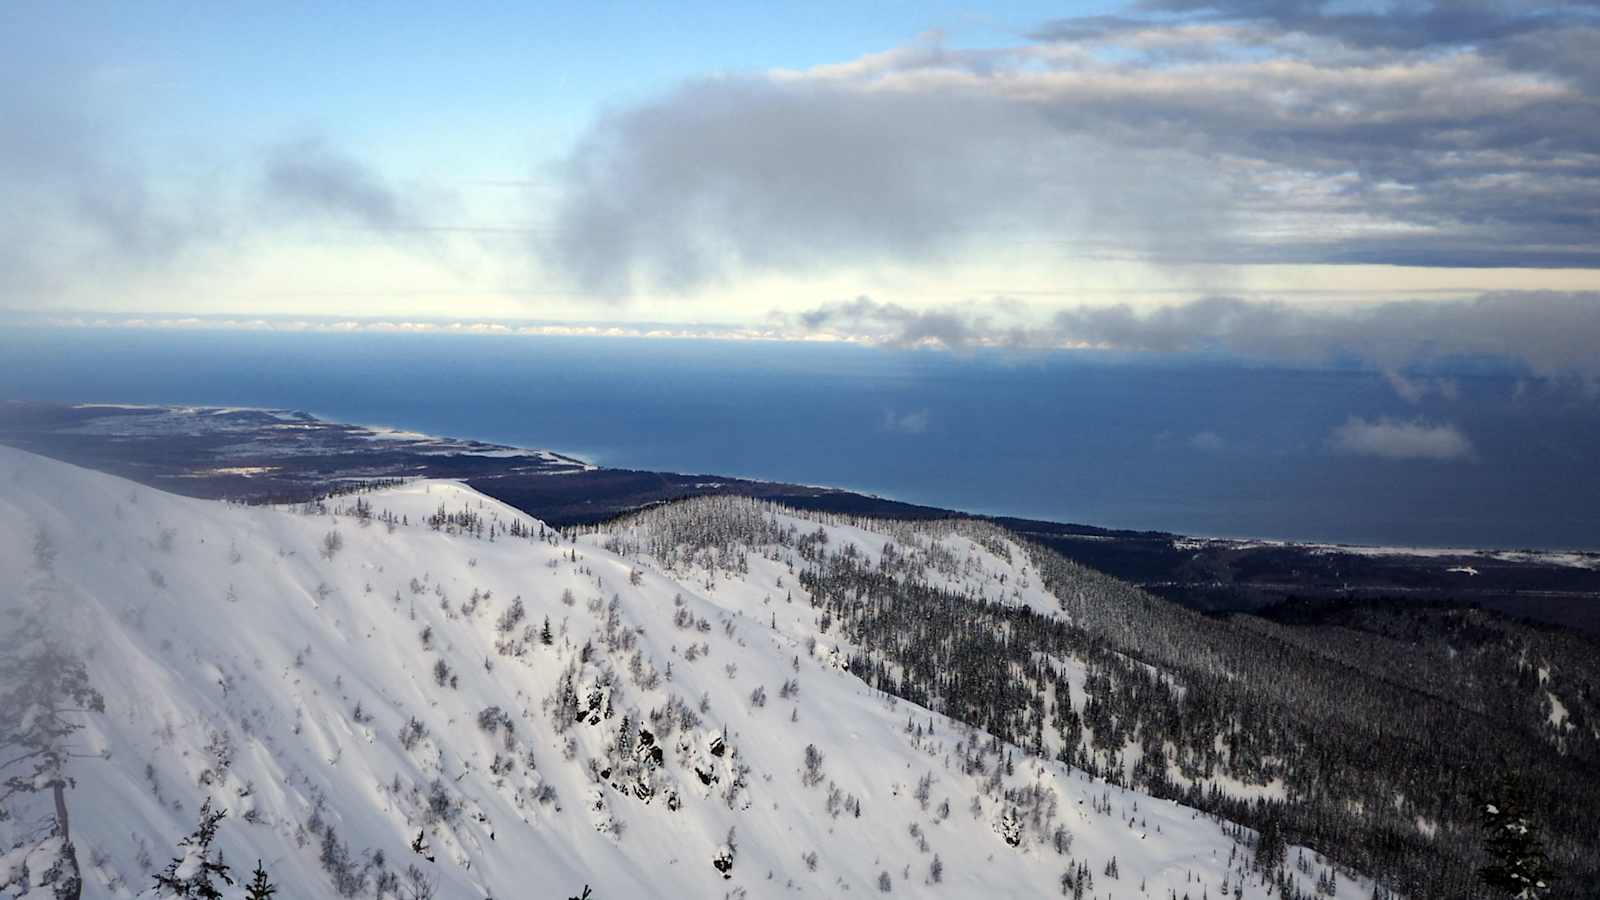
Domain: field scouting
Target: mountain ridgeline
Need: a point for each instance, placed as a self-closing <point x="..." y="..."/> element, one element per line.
<point x="411" y="690"/>
<point x="1373" y="732"/>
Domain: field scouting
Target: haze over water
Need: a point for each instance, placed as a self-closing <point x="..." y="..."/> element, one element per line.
<point x="1206" y="447"/>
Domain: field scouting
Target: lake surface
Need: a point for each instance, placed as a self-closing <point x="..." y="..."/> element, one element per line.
<point x="1198" y="446"/>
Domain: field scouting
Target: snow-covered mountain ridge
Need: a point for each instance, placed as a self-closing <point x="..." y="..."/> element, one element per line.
<point x="341" y="678"/>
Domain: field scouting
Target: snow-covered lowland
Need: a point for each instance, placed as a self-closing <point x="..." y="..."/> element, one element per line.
<point x="340" y="679"/>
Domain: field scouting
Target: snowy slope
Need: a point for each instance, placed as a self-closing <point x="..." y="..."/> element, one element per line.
<point x="234" y="645"/>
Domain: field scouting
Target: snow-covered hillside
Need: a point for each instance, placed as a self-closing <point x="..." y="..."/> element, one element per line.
<point x="342" y="679"/>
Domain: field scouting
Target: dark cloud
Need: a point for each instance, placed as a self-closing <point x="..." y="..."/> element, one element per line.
<point x="1552" y="333"/>
<point x="82" y="197"/>
<point x="747" y="175"/>
<point x="90" y="202"/>
<point x="75" y="196"/>
<point x="1408" y="24"/>
<point x="1566" y="52"/>
<point x="308" y="177"/>
<point x="1431" y="135"/>
<point x="75" y="207"/>
<point x="754" y="174"/>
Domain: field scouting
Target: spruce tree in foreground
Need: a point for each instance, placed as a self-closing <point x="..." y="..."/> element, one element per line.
<point x="196" y="872"/>
<point x="259" y="887"/>
<point x="44" y="693"/>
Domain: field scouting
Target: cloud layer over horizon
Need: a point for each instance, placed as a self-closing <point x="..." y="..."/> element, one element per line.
<point x="1551" y="334"/>
<point x="1230" y="132"/>
<point x="1414" y="345"/>
<point x="1175" y="136"/>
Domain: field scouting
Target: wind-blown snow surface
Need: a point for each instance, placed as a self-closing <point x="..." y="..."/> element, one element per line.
<point x="233" y="650"/>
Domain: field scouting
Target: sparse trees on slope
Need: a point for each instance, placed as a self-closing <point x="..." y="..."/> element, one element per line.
<point x="418" y="885"/>
<point x="332" y="543"/>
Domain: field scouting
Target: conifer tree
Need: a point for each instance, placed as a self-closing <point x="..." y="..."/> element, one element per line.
<point x="195" y="873"/>
<point x="259" y="887"/>
<point x="1518" y="866"/>
<point x="44" y="692"/>
<point x="1270" y="845"/>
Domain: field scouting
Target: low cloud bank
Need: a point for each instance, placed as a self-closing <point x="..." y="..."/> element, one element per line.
<point x="1389" y="439"/>
<point x="915" y="422"/>
<point x="1552" y="334"/>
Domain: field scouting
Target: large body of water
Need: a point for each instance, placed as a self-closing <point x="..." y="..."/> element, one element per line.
<point x="1200" y="447"/>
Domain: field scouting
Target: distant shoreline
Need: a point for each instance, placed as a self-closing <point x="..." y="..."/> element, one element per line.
<point x="1579" y="557"/>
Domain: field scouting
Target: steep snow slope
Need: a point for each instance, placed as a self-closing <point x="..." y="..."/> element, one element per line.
<point x="337" y="695"/>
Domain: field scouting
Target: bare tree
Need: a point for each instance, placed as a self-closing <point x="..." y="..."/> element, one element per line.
<point x="418" y="885"/>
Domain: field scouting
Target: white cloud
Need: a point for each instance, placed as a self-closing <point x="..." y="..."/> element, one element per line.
<point x="1416" y="390"/>
<point x="1389" y="439"/>
<point x="1208" y="441"/>
<point x="906" y="423"/>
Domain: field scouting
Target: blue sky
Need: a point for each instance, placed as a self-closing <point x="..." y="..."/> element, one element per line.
<point x="429" y="86"/>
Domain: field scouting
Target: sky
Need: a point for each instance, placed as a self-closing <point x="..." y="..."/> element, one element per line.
<point x="1403" y="184"/>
